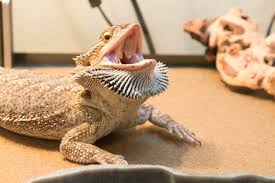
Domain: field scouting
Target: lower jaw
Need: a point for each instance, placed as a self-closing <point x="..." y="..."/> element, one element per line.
<point x="143" y="64"/>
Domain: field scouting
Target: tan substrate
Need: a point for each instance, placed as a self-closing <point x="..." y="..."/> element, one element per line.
<point x="237" y="133"/>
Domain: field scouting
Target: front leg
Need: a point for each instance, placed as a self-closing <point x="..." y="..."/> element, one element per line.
<point x="163" y="120"/>
<point x="77" y="146"/>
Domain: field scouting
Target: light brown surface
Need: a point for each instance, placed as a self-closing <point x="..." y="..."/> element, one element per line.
<point x="237" y="133"/>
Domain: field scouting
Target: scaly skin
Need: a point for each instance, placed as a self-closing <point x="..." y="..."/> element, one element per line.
<point x="82" y="109"/>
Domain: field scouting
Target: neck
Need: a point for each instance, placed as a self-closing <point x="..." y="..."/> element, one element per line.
<point x="112" y="88"/>
<point x="129" y="84"/>
<point x="110" y="102"/>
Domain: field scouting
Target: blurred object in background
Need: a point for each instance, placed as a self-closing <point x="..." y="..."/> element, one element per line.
<point x="244" y="57"/>
<point x="96" y="3"/>
<point x="147" y="35"/>
<point x="269" y="29"/>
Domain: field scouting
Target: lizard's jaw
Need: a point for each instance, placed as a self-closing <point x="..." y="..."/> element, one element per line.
<point x="125" y="51"/>
<point x="122" y="69"/>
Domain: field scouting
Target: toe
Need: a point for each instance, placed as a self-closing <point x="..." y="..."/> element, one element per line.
<point x="118" y="159"/>
<point x="114" y="159"/>
<point x="189" y="137"/>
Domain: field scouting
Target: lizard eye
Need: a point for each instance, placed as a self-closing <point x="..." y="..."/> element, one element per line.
<point x="107" y="36"/>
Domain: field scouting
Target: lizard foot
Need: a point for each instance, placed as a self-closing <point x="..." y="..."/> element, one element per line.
<point x="113" y="159"/>
<point x="183" y="133"/>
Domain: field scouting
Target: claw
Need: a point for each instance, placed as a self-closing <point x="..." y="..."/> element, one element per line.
<point x="183" y="133"/>
<point x="196" y="143"/>
<point x="118" y="159"/>
<point x="123" y="162"/>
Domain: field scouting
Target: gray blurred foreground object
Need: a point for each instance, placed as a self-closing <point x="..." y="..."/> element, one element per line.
<point x="142" y="174"/>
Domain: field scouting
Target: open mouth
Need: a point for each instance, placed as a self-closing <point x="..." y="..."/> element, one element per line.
<point x="125" y="51"/>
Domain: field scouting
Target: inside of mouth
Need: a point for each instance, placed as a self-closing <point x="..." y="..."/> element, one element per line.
<point x="126" y="51"/>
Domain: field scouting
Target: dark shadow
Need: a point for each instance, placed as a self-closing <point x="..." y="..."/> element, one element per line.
<point x="142" y="145"/>
<point x="138" y="146"/>
<point x="261" y="94"/>
<point x="30" y="141"/>
<point x="145" y="146"/>
<point x="153" y="145"/>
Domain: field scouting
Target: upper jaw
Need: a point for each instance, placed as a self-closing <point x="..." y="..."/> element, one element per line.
<point x="124" y="52"/>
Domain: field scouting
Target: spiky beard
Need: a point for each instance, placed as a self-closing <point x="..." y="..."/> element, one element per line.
<point x="130" y="84"/>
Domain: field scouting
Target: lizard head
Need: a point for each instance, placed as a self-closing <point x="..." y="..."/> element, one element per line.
<point x="116" y="62"/>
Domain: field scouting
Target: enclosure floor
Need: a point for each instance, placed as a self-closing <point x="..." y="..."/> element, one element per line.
<point x="237" y="133"/>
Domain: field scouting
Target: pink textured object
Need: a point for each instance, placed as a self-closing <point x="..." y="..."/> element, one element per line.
<point x="244" y="57"/>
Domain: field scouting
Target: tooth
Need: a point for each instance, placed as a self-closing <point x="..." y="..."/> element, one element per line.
<point x="117" y="59"/>
<point x="119" y="53"/>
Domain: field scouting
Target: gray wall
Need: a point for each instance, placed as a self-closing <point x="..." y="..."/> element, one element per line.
<point x="70" y="26"/>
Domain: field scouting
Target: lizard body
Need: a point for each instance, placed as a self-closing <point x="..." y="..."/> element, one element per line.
<point x="106" y="92"/>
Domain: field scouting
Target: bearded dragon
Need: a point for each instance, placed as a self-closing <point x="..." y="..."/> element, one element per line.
<point x="106" y="92"/>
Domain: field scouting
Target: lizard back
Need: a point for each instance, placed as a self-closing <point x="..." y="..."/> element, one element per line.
<point x="35" y="104"/>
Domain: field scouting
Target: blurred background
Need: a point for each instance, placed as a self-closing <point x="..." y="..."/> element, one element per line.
<point x="51" y="32"/>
